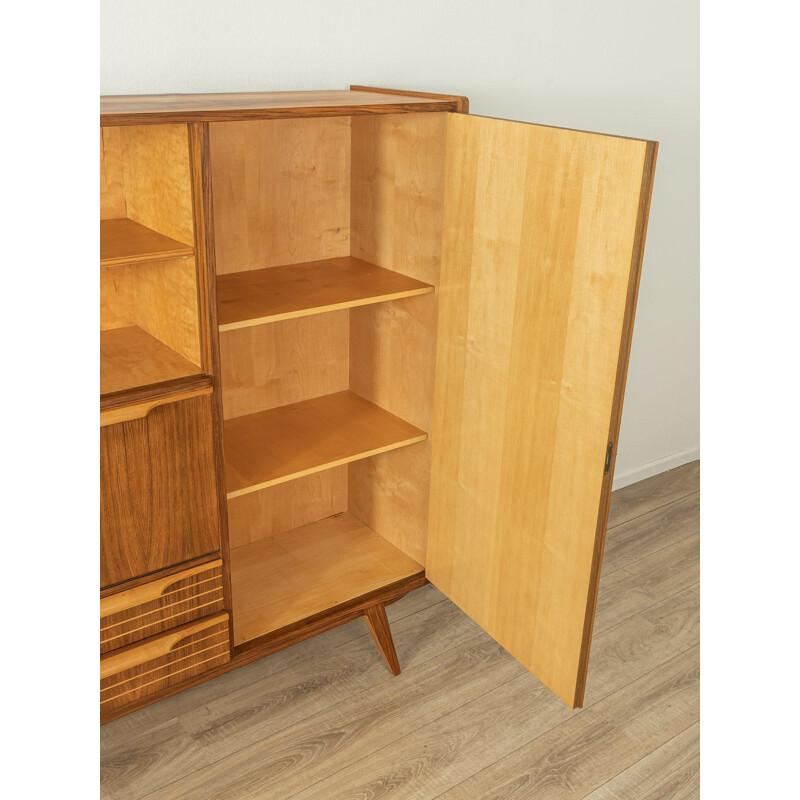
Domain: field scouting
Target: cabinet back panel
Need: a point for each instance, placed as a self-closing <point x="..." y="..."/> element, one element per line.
<point x="285" y="362"/>
<point x="396" y="219"/>
<point x="541" y="250"/>
<point x="158" y="296"/>
<point x="281" y="191"/>
<point x="145" y="176"/>
<point x="271" y="511"/>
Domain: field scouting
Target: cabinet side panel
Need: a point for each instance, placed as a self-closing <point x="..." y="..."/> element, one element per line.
<point x="396" y="218"/>
<point x="112" y="175"/>
<point x="281" y="191"/>
<point x="540" y="227"/>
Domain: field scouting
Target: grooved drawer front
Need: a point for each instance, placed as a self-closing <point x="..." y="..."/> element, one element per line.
<point x="160" y="605"/>
<point x="163" y="661"/>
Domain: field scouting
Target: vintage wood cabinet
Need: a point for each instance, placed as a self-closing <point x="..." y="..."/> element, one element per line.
<point x="352" y="341"/>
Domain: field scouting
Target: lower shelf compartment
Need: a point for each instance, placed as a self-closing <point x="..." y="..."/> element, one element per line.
<point x="131" y="357"/>
<point x="293" y="575"/>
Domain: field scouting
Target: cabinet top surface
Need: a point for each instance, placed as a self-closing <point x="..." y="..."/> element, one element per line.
<point x="155" y="108"/>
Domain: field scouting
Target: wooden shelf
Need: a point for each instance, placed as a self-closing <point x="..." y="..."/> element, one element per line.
<point x="281" y="444"/>
<point x="276" y="293"/>
<point x="293" y="575"/>
<point x="131" y="357"/>
<point x="123" y="241"/>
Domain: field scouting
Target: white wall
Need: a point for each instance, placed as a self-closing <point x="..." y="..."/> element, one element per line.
<point x="619" y="66"/>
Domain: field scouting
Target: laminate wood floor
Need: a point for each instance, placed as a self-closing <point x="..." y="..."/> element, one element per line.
<point x="324" y="720"/>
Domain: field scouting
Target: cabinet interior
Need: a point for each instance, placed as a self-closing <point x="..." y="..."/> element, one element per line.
<point x="327" y="240"/>
<point x="149" y="326"/>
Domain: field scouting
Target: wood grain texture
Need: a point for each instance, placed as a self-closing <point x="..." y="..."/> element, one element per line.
<point x="299" y="573"/>
<point x="671" y="771"/>
<point x="280" y="508"/>
<point x="275" y="692"/>
<point x="285" y="443"/>
<point x="540" y="225"/>
<point x="123" y="241"/>
<point x="131" y="357"/>
<point x="163" y="603"/>
<point x="277" y="293"/>
<point x="645" y="496"/>
<point x="275" y="365"/>
<point x="396" y="220"/>
<point x="142" y="109"/>
<point x="281" y="192"/>
<point x="200" y="157"/>
<point x="112" y="175"/>
<point x="109" y="591"/>
<point x="159" y="297"/>
<point x="301" y="716"/>
<point x="124" y="413"/>
<point x="626" y="339"/>
<point x="158" y="503"/>
<point x="286" y="637"/>
<point x="461" y="102"/>
<point x="378" y="626"/>
<point x="176" y="389"/>
<point x="158" y="189"/>
<point x="161" y="661"/>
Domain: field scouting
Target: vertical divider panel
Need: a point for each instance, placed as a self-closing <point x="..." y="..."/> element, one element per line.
<point x="203" y="214"/>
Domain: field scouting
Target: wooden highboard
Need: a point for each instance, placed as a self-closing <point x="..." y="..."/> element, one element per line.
<point x="353" y="341"/>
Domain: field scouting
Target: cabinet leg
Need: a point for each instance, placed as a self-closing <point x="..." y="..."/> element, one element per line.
<point x="378" y="625"/>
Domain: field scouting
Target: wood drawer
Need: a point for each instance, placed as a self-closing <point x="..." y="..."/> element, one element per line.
<point x="159" y="605"/>
<point x="162" y="661"/>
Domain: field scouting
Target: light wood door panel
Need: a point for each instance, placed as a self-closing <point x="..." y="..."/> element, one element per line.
<point x="542" y="243"/>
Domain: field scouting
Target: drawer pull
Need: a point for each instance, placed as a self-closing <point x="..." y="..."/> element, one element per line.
<point x="160" y="605"/>
<point x="147" y="651"/>
<point x="163" y="661"/>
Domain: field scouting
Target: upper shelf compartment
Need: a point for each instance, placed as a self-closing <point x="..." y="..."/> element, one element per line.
<point x="277" y="293"/>
<point x="123" y="241"/>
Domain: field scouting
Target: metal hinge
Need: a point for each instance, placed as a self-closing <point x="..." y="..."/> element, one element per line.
<point x="609" y="451"/>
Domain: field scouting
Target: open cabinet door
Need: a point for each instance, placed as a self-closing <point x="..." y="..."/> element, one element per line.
<point x="543" y="236"/>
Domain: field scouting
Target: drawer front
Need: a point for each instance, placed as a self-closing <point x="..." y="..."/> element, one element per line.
<point x="159" y="605"/>
<point x="163" y="661"/>
<point x="158" y="491"/>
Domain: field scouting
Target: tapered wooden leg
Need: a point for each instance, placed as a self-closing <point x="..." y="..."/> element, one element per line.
<point x="375" y="617"/>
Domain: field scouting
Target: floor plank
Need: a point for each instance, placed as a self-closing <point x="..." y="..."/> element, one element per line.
<point x="648" y="581"/>
<point x="640" y="498"/>
<point x="670" y="771"/>
<point x="597" y="743"/>
<point x="225" y="724"/>
<point x="645" y="535"/>
<point x="324" y="720"/>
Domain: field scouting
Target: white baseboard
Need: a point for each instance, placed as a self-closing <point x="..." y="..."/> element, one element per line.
<point x="655" y="467"/>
